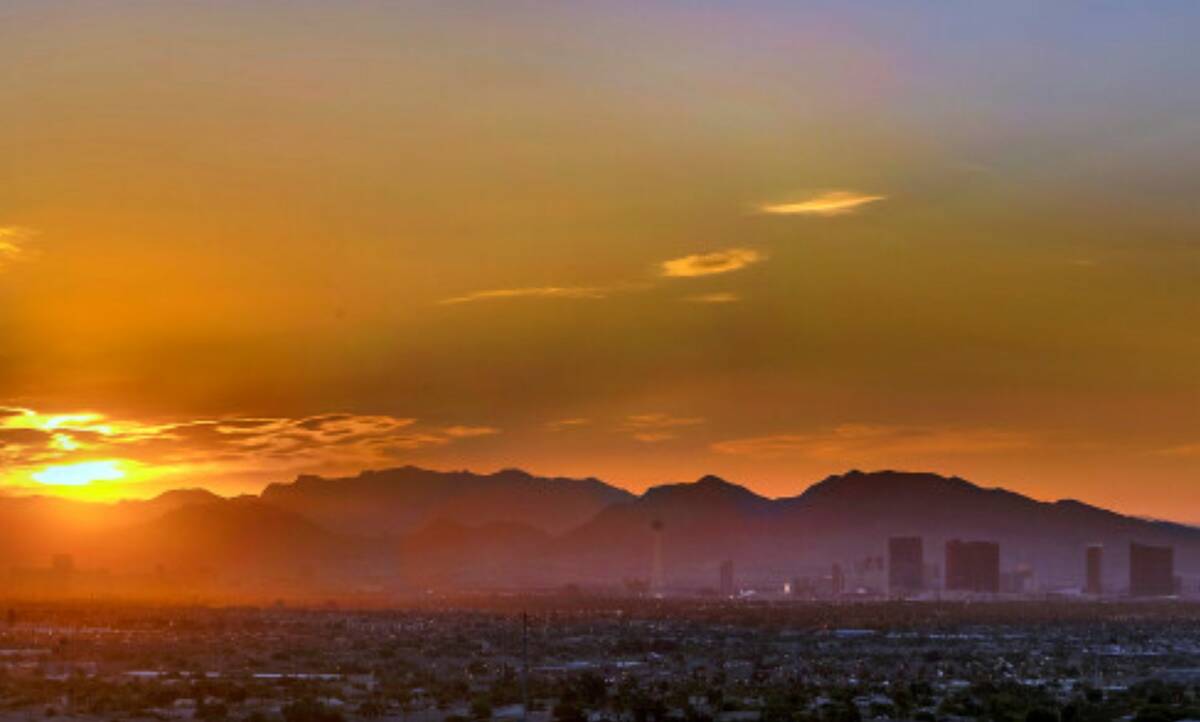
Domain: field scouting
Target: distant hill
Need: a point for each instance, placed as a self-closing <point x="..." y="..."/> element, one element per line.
<point x="234" y="538"/>
<point x="33" y="528"/>
<point x="394" y="502"/>
<point x="451" y="554"/>
<point x="145" y="509"/>
<point x="702" y="523"/>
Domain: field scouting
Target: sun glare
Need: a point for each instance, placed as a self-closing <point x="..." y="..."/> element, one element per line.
<point x="69" y="420"/>
<point x="80" y="474"/>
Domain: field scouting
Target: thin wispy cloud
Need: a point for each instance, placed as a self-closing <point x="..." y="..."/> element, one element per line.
<point x="1182" y="451"/>
<point x="14" y="243"/>
<point x="565" y="424"/>
<point x="467" y="432"/>
<point x="654" y="437"/>
<point x="719" y="297"/>
<point x="656" y="427"/>
<point x="498" y="294"/>
<point x="708" y="264"/>
<point x="833" y="203"/>
<point x="869" y="441"/>
<point x="661" y="421"/>
<point x="690" y="266"/>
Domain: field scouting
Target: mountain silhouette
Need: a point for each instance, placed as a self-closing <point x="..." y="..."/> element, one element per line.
<point x="398" y="501"/>
<point x="412" y="528"/>
<point x="32" y="528"/>
<point x="240" y="537"/>
<point x="701" y="523"/>
<point x="849" y="516"/>
<point x="848" y="519"/>
<point x="451" y="554"/>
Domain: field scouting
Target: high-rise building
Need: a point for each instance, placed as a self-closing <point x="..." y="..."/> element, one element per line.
<point x="906" y="564"/>
<point x="802" y="587"/>
<point x="973" y="566"/>
<point x="1095" y="573"/>
<point x="726" y="578"/>
<point x="1151" y="570"/>
<point x="657" y="581"/>
<point x="837" y="580"/>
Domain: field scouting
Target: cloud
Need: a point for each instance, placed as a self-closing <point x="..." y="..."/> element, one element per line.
<point x="573" y="292"/>
<point x="657" y="427"/>
<point x="834" y="203"/>
<point x="24" y="437"/>
<point x="654" y="437"/>
<point x="14" y="243"/>
<point x="647" y="428"/>
<point x="565" y="424"/>
<point x="868" y="440"/>
<point x="335" y="442"/>
<point x="1183" y="451"/>
<point x="707" y="264"/>
<point x="467" y="432"/>
<point x="720" y="297"/>
<point x="661" y="421"/>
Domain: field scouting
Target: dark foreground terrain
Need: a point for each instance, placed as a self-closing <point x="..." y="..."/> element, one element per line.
<point x="641" y="660"/>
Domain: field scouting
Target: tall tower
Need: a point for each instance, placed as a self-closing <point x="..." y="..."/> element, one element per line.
<point x="1095" y="575"/>
<point x="656" y="568"/>
<point x="837" y="580"/>
<point x="725" y="579"/>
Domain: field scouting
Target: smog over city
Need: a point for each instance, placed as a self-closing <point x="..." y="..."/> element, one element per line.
<point x="664" y="361"/>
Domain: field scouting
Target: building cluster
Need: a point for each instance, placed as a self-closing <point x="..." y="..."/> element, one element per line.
<point x="972" y="567"/>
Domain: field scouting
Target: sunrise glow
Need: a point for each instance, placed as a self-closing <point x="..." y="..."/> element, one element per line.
<point x="80" y="474"/>
<point x="271" y="241"/>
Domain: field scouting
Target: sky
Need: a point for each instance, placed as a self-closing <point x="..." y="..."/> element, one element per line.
<point x="642" y="241"/>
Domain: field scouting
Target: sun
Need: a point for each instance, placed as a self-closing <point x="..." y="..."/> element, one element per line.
<point x="80" y="474"/>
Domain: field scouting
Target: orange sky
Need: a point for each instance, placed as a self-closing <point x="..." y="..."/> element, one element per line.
<point x="644" y="242"/>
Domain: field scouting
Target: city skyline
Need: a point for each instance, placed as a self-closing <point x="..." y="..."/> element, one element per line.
<point x="919" y="537"/>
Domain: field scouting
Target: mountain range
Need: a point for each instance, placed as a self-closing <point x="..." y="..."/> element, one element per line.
<point x="410" y="528"/>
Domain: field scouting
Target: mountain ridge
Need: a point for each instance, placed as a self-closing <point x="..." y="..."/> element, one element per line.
<point x="391" y="502"/>
<point x="417" y="527"/>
